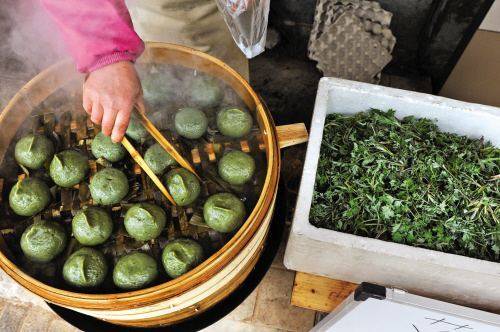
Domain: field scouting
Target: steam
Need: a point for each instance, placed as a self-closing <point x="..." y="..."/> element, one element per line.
<point x="30" y="39"/>
<point x="32" y="42"/>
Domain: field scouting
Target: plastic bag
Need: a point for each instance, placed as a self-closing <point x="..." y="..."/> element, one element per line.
<point x="247" y="21"/>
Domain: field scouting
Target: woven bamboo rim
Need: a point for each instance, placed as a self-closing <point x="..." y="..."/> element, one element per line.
<point x="196" y="300"/>
<point x="56" y="76"/>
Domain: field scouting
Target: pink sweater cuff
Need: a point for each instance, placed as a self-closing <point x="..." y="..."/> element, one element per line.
<point x="110" y="59"/>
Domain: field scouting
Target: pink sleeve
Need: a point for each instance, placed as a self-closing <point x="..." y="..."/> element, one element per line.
<point x="97" y="32"/>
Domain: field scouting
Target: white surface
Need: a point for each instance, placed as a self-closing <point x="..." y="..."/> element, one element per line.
<point x="353" y="258"/>
<point x="492" y="20"/>
<point x="402" y="312"/>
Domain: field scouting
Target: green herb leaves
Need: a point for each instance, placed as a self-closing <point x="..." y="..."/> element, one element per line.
<point x="407" y="182"/>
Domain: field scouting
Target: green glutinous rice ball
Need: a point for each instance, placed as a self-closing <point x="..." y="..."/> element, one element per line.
<point x="109" y="186"/>
<point x="234" y="122"/>
<point x="205" y="92"/>
<point x="92" y="226"/>
<point x="68" y="168"/>
<point x="159" y="86"/>
<point x="236" y="167"/>
<point x="183" y="186"/>
<point x="33" y="151"/>
<point x="145" y="221"/>
<point x="43" y="241"/>
<point x="29" y="197"/>
<point x="181" y="255"/>
<point x="136" y="130"/>
<point x="103" y="147"/>
<point x="134" y="271"/>
<point x="224" y="212"/>
<point x="190" y="123"/>
<point x="158" y="159"/>
<point x="85" y="268"/>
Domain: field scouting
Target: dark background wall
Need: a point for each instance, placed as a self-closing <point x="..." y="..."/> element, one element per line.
<point x="430" y="33"/>
<point x="449" y="28"/>
<point x="408" y="20"/>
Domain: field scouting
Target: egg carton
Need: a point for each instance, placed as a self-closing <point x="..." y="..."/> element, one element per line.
<point x="375" y="18"/>
<point x="346" y="50"/>
<point x="367" y="50"/>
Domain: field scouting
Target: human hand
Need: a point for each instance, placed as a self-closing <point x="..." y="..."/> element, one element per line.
<point x="109" y="96"/>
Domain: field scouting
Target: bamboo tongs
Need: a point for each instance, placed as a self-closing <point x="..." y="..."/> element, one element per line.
<point x="140" y="161"/>
<point x="150" y="127"/>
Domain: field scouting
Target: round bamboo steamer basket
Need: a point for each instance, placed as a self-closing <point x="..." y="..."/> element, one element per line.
<point x="219" y="274"/>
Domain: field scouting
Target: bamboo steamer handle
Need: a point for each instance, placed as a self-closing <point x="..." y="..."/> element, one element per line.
<point x="292" y="134"/>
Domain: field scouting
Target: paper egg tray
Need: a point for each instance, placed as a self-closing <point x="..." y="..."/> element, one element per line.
<point x="351" y="39"/>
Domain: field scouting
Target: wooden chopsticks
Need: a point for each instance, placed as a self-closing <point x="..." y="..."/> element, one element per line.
<point x="139" y="160"/>
<point x="150" y="127"/>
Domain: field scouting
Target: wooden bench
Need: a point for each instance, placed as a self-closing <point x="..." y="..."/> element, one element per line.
<point x="319" y="293"/>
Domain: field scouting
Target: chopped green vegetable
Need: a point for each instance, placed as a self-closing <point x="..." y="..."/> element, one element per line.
<point x="407" y="182"/>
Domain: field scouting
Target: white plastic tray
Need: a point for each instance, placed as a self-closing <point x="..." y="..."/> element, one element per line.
<point x="337" y="255"/>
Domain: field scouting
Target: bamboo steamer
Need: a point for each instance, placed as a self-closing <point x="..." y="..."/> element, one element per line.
<point x="219" y="274"/>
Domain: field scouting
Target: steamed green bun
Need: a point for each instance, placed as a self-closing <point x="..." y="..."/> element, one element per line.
<point x="234" y="122"/>
<point x="136" y="130"/>
<point x="43" y="241"/>
<point x="159" y="86"/>
<point x="145" y="221"/>
<point x="109" y="186"/>
<point x="86" y="267"/>
<point x="205" y="92"/>
<point x="183" y="186"/>
<point x="92" y="226"/>
<point x="190" y="123"/>
<point x="224" y="212"/>
<point x="29" y="197"/>
<point x="181" y="255"/>
<point x="158" y="159"/>
<point x="33" y="151"/>
<point x="236" y="167"/>
<point x="134" y="271"/>
<point x="68" y="168"/>
<point x="103" y="147"/>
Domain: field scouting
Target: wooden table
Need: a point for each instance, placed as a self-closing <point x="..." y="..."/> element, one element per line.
<point x="319" y="293"/>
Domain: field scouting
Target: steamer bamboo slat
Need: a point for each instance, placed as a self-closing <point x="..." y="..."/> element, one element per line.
<point x="221" y="272"/>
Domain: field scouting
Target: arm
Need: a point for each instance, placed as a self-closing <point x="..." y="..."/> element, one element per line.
<point x="97" y="32"/>
<point x="103" y="43"/>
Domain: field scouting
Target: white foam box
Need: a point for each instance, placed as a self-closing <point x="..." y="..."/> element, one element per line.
<point x="443" y="276"/>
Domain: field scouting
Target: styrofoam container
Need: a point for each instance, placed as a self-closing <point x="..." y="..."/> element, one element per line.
<point x="337" y="255"/>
